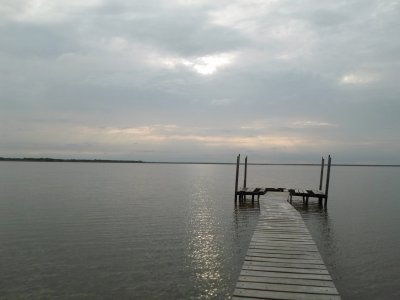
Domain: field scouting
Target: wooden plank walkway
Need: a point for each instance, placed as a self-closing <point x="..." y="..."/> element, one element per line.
<point x="282" y="261"/>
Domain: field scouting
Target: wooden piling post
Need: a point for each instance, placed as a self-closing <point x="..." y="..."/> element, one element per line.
<point x="237" y="176"/>
<point x="245" y="172"/>
<point x="328" y="175"/>
<point x="321" y="177"/>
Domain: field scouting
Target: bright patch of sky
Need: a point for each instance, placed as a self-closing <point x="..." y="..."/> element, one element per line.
<point x="204" y="65"/>
<point x="359" y="78"/>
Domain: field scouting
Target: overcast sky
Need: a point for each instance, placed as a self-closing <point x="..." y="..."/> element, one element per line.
<point x="187" y="80"/>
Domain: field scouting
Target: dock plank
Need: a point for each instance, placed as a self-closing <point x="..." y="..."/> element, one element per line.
<point x="292" y="281"/>
<point x="284" y="260"/>
<point x="286" y="275"/>
<point x="284" y="264"/>
<point x="265" y="294"/>
<point x="254" y="267"/>
<point x="287" y="288"/>
<point x="282" y="250"/>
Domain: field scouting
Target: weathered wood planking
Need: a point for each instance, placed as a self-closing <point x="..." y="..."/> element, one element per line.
<point x="282" y="261"/>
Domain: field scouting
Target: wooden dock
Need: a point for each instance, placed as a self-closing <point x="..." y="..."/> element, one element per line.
<point x="245" y="191"/>
<point x="259" y="191"/>
<point x="282" y="261"/>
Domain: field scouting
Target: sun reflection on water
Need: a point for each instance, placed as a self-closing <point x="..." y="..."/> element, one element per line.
<point x="205" y="250"/>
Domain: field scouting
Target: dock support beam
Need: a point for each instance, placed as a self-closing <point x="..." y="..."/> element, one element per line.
<point x="328" y="175"/>
<point x="245" y="173"/>
<point x="237" y="176"/>
<point x="321" y="177"/>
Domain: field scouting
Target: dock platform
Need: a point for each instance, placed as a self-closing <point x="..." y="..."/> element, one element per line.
<point x="245" y="191"/>
<point x="304" y="193"/>
<point x="282" y="261"/>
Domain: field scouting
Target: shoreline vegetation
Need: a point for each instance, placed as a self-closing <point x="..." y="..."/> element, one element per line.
<point x="47" y="159"/>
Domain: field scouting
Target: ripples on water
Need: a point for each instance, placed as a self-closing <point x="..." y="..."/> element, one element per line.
<point x="112" y="231"/>
<point x="358" y="235"/>
<point x="126" y="231"/>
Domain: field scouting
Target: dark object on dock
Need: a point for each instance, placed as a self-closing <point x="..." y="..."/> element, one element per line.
<point x="306" y="194"/>
<point x="251" y="192"/>
<point x="245" y="191"/>
<point x="242" y="193"/>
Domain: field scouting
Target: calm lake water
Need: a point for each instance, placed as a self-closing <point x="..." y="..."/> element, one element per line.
<point x="151" y="231"/>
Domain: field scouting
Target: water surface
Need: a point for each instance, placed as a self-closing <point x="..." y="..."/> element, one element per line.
<point x="120" y="231"/>
<point x="149" y="231"/>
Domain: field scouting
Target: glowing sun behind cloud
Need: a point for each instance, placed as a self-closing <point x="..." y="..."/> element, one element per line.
<point x="358" y="78"/>
<point x="208" y="65"/>
<point x="204" y="65"/>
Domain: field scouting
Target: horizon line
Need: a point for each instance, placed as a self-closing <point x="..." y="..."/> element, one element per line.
<point x="47" y="159"/>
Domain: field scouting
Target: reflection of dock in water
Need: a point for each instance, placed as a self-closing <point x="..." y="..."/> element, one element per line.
<point x="282" y="261"/>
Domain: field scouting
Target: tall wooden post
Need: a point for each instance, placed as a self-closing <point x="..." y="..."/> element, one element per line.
<point x="321" y="177"/>
<point x="328" y="175"/>
<point x="245" y="172"/>
<point x="237" y="176"/>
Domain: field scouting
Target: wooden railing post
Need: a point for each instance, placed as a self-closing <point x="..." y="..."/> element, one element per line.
<point x="321" y="177"/>
<point x="245" y="172"/>
<point x="237" y="176"/>
<point x="328" y="175"/>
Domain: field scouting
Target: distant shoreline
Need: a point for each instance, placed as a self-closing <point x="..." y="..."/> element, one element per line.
<point x="46" y="159"/>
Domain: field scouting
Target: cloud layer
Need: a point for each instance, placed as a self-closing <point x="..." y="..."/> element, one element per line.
<point x="200" y="80"/>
